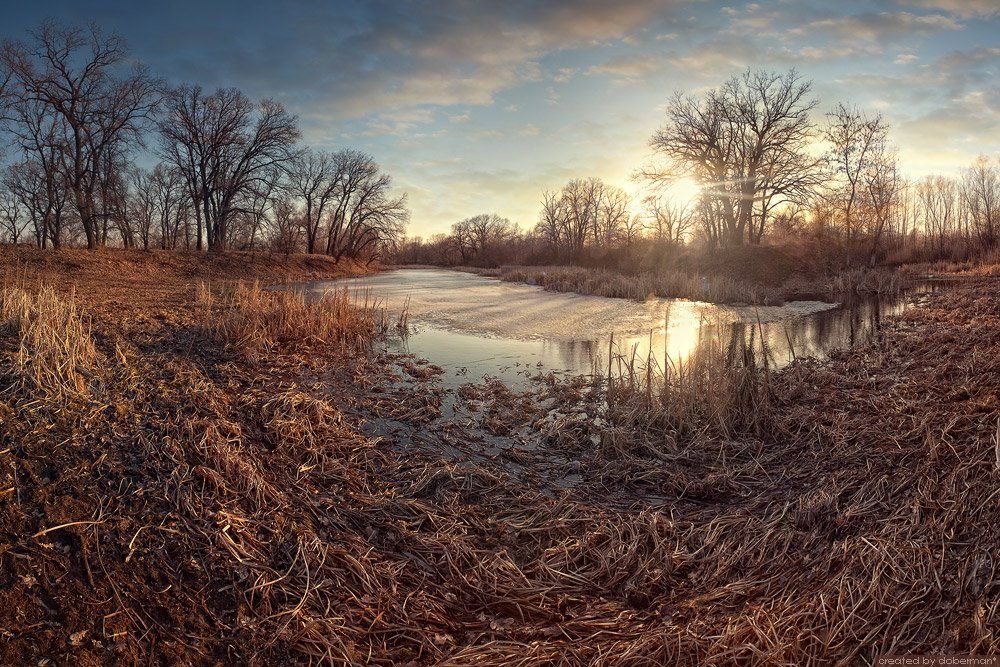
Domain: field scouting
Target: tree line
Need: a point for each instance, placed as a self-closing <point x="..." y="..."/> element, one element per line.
<point x="767" y="171"/>
<point x="78" y="114"/>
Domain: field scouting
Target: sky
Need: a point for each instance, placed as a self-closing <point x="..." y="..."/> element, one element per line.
<point x="482" y="106"/>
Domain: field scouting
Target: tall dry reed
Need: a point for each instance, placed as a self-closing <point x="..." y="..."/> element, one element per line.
<point x="55" y="352"/>
<point x="721" y="390"/>
<point x="249" y="318"/>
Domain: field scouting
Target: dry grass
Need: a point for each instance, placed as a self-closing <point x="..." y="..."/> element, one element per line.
<point x="865" y="281"/>
<point x="224" y="508"/>
<point x="252" y="319"/>
<point x="55" y="353"/>
<point x="720" y="391"/>
<point x="984" y="265"/>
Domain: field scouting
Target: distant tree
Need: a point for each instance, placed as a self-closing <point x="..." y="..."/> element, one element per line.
<point x="65" y="83"/>
<point x="585" y="212"/>
<point x="858" y="145"/>
<point x="747" y="144"/>
<point x="314" y="178"/>
<point x="285" y="225"/>
<point x="227" y="147"/>
<point x="12" y="214"/>
<point x="981" y="194"/>
<point x="883" y="187"/>
<point x="172" y="206"/>
<point x="481" y="238"/>
<point x="669" y="221"/>
<point x="939" y="200"/>
<point x="43" y="197"/>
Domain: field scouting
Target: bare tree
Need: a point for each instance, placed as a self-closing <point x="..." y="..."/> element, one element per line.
<point x="12" y="214"/>
<point x="670" y="221"/>
<point x="747" y="144"/>
<point x="285" y="225"/>
<point x="482" y="237"/>
<point x="314" y="177"/>
<point x="939" y="201"/>
<point x="981" y="193"/>
<point x="857" y="145"/>
<point x="551" y="221"/>
<point x="585" y="212"/>
<point x="171" y="205"/>
<point x="882" y="188"/>
<point x="366" y="217"/>
<point x="43" y="197"/>
<point x="69" y="74"/>
<point x="226" y="147"/>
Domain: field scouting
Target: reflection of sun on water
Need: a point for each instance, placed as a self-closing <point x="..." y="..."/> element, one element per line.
<point x="673" y="342"/>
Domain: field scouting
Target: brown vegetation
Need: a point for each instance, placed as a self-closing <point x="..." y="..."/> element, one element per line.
<point x="192" y="503"/>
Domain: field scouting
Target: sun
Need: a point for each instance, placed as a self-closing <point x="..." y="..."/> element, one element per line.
<point x="684" y="191"/>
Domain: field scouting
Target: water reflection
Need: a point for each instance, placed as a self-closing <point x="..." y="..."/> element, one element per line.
<point x="459" y="320"/>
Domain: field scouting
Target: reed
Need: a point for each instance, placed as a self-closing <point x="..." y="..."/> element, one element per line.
<point x="246" y="317"/>
<point x="865" y="281"/>
<point x="55" y="353"/>
<point x="721" y="390"/>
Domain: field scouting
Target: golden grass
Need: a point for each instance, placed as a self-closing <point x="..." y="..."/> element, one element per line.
<point x="229" y="509"/>
<point x="719" y="391"/>
<point x="55" y="351"/>
<point x="246" y="317"/>
<point x="865" y="281"/>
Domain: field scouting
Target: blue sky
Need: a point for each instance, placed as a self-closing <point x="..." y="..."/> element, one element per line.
<point x="479" y="107"/>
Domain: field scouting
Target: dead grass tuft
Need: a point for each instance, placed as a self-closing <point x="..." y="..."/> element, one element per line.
<point x="55" y="352"/>
<point x="248" y="318"/>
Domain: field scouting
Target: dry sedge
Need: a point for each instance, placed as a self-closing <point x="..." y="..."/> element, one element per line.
<point x="252" y="319"/>
<point x="55" y="352"/>
<point x="223" y="507"/>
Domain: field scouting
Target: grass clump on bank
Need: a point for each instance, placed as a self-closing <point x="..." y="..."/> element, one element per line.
<point x="55" y="353"/>
<point x="246" y="317"/>
<point x="719" y="391"/>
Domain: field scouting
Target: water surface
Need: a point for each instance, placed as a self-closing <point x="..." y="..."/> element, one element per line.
<point x="474" y="326"/>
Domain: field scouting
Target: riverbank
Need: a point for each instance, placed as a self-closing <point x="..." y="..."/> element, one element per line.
<point x="200" y="476"/>
<point x="698" y="287"/>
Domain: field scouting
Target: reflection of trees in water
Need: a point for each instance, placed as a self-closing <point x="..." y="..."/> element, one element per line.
<point x="573" y="354"/>
<point x="814" y="335"/>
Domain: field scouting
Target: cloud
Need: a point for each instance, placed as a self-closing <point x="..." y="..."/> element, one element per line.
<point x="962" y="8"/>
<point x="714" y="60"/>
<point x="564" y="74"/>
<point x="457" y="53"/>
<point x="397" y="122"/>
<point x="870" y="32"/>
<point x="904" y="58"/>
<point x="627" y="69"/>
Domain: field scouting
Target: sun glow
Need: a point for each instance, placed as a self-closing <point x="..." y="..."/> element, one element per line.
<point x="684" y="191"/>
